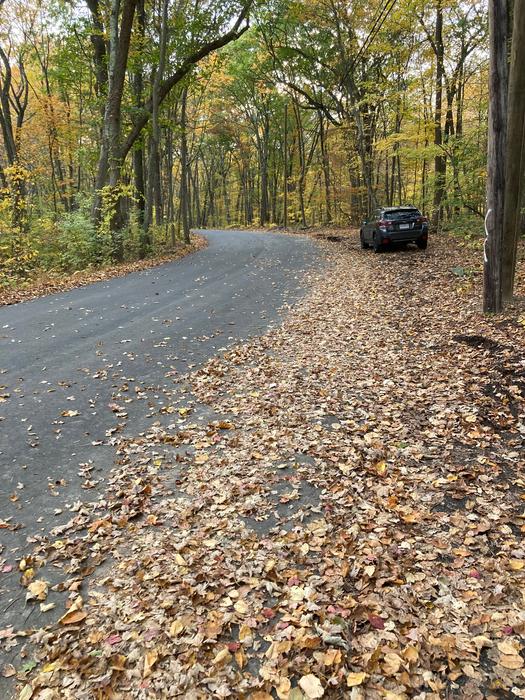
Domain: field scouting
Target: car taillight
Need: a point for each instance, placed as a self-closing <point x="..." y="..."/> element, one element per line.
<point x="385" y="224"/>
<point x="422" y="220"/>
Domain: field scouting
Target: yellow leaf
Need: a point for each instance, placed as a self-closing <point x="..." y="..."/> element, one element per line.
<point x="27" y="576"/>
<point x="354" y="679"/>
<point x="283" y="689"/>
<point x="241" y="607"/>
<point x="381" y="468"/>
<point x="331" y="657"/>
<point x="118" y="662"/>
<point x="411" y="654"/>
<point x="222" y="657"/>
<point x="240" y="658"/>
<point x="176" y="627"/>
<point x="150" y="659"/>
<point x="245" y="634"/>
<point x="37" y="590"/>
<point x="202" y="458"/>
<point x="311" y="686"/>
<point x="516" y="564"/>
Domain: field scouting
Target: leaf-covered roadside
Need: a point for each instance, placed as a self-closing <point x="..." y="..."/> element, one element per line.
<point x="346" y="523"/>
<point x="12" y="291"/>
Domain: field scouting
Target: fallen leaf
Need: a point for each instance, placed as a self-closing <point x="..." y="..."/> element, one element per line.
<point x="354" y="679"/>
<point x="37" y="590"/>
<point x="311" y="686"/>
<point x="516" y="564"/>
<point x="377" y="622"/>
<point x="150" y="659"/>
<point x="73" y="617"/>
<point x="511" y="661"/>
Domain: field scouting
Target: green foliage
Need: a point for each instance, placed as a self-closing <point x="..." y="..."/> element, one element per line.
<point x="17" y="252"/>
<point x="79" y="244"/>
<point x="466" y="225"/>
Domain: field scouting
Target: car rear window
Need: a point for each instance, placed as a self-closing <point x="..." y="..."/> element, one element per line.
<point x="400" y="214"/>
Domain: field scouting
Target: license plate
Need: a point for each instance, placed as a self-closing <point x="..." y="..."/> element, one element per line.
<point x="404" y="226"/>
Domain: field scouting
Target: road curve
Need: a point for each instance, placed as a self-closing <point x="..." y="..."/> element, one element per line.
<point x="63" y="357"/>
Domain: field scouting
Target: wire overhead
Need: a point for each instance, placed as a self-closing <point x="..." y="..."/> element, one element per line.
<point x="379" y="21"/>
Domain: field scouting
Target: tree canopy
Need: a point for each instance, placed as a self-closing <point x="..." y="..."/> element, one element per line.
<point x="127" y="122"/>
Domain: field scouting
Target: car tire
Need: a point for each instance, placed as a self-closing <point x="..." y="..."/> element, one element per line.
<point x="422" y="244"/>
<point x="364" y="244"/>
<point x="377" y="246"/>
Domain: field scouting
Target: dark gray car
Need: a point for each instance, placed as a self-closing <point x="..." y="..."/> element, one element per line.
<point x="394" y="225"/>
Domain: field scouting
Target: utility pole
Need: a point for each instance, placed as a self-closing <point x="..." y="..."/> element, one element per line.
<point x="496" y="156"/>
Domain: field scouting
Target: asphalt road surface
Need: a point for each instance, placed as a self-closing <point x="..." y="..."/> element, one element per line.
<point x="64" y="357"/>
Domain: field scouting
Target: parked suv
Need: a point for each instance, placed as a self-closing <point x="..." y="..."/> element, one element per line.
<point x="394" y="225"/>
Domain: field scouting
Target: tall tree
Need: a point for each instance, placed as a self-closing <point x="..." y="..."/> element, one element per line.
<point x="515" y="154"/>
<point x="497" y="145"/>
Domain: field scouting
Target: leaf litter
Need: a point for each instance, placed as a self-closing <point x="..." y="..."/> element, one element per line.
<point x="350" y="526"/>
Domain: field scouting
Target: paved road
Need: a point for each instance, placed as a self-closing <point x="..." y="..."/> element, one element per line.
<point x="74" y="352"/>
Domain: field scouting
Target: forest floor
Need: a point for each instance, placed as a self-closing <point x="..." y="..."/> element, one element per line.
<point x="39" y="283"/>
<point x="346" y="523"/>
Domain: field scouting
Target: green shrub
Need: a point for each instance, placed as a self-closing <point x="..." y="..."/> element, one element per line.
<point x="80" y="244"/>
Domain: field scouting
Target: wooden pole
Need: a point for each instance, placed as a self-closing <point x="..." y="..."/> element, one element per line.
<point x="496" y="156"/>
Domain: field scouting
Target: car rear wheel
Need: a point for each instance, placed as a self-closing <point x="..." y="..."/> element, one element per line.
<point x="422" y="244"/>
<point x="364" y="244"/>
<point x="378" y="246"/>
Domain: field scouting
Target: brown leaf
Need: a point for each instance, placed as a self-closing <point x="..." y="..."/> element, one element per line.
<point x="73" y="617"/>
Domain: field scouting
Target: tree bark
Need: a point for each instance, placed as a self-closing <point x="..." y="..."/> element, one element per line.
<point x="285" y="168"/>
<point x="153" y="198"/>
<point x="497" y="143"/>
<point x="323" y="132"/>
<point x="110" y="158"/>
<point x="184" y="167"/>
<point x="440" y="162"/>
<point x="515" y="166"/>
<point x="138" y="152"/>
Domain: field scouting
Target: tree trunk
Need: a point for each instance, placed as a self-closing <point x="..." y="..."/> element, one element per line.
<point x="440" y="162"/>
<point x="498" y="81"/>
<point x="184" y="175"/>
<point x="110" y="158"/>
<point x="153" y="198"/>
<point x="515" y="166"/>
<point x="138" y="153"/>
<point x="285" y="168"/>
<point x="323" y="131"/>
